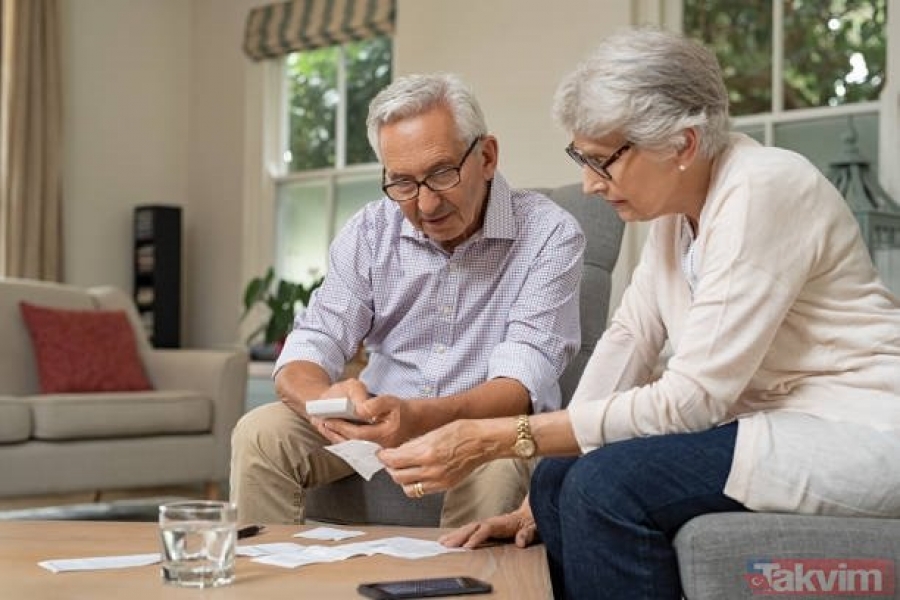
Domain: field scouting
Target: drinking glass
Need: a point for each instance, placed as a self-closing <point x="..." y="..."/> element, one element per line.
<point x="198" y="539"/>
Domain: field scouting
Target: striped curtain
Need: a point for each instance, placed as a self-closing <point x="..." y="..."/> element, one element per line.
<point x="277" y="29"/>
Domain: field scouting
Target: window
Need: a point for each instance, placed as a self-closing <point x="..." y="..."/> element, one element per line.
<point x="800" y="70"/>
<point x="327" y="170"/>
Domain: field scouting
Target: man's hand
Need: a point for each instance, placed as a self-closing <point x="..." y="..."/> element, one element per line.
<point x="352" y="389"/>
<point x="390" y="421"/>
<point x="518" y="525"/>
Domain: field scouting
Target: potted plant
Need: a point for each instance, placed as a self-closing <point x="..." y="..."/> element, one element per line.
<point x="281" y="299"/>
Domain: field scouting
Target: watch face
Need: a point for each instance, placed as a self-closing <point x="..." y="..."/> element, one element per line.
<point x="524" y="448"/>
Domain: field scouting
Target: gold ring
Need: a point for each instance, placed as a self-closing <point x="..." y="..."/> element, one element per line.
<point x="418" y="490"/>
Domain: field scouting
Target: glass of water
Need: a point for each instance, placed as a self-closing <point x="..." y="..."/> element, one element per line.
<point x="198" y="540"/>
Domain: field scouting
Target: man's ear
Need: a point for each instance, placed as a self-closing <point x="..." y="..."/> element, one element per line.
<point x="489" y="155"/>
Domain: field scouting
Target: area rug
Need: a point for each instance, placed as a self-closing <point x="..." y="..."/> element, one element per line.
<point x="132" y="509"/>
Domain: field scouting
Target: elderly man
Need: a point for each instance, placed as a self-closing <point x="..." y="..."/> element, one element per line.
<point x="465" y="292"/>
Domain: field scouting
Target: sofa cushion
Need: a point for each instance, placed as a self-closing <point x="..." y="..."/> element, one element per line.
<point x="119" y="414"/>
<point x="84" y="350"/>
<point x="15" y="420"/>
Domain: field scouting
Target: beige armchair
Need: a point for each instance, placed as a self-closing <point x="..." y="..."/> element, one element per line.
<point x="174" y="434"/>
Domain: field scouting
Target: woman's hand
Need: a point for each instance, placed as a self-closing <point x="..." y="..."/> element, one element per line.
<point x="439" y="459"/>
<point x="518" y="525"/>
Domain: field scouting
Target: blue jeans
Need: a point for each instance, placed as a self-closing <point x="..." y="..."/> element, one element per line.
<point x="608" y="518"/>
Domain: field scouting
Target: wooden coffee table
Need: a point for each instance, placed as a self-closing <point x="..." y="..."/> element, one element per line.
<point x="514" y="573"/>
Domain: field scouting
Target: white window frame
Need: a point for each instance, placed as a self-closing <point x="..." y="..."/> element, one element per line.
<point x="266" y="140"/>
<point x="261" y="104"/>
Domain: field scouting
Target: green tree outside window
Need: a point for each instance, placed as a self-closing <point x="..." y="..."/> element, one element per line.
<point x="314" y="98"/>
<point x="834" y="50"/>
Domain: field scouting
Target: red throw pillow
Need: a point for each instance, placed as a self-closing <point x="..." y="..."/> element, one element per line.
<point x="84" y="350"/>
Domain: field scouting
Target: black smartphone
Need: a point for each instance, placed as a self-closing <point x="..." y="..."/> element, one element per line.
<point x="424" y="588"/>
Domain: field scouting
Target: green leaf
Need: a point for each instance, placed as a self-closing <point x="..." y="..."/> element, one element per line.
<point x="280" y="297"/>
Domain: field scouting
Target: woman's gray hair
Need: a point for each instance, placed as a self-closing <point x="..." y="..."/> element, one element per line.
<point x="649" y="85"/>
<point x="413" y="95"/>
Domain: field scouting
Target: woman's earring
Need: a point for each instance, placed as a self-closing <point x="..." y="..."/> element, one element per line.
<point x="682" y="168"/>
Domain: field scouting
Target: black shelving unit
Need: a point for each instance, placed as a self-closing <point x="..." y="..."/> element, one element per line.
<point x="157" y="272"/>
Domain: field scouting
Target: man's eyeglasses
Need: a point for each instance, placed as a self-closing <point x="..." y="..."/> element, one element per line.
<point x="404" y="190"/>
<point x="600" y="167"/>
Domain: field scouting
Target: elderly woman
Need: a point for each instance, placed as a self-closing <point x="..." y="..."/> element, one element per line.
<point x="783" y="389"/>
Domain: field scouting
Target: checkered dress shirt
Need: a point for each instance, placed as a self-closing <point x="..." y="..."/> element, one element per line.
<point x="504" y="303"/>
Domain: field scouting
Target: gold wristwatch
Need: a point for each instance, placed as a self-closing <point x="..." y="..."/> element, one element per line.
<point x="524" y="446"/>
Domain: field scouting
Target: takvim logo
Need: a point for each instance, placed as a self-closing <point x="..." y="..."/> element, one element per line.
<point x="871" y="577"/>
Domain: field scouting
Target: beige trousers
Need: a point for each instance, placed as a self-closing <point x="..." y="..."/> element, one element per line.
<point x="276" y="455"/>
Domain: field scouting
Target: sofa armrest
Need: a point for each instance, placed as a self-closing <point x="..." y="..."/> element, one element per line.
<point x="717" y="552"/>
<point x="219" y="374"/>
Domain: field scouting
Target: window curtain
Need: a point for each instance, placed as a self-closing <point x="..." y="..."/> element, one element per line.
<point x="30" y="140"/>
<point x="277" y="29"/>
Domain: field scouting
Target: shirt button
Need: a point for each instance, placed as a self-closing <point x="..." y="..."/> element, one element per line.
<point x="426" y="389"/>
<point x="446" y="310"/>
<point x="440" y="348"/>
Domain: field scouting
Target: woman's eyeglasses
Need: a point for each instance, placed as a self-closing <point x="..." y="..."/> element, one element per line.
<point x="600" y="167"/>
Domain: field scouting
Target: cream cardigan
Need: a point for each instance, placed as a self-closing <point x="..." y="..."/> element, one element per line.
<point x="789" y="330"/>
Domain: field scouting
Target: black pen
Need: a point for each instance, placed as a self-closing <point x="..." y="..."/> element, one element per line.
<point x="249" y="531"/>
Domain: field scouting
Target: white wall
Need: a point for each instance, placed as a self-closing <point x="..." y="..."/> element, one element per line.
<point x="513" y="53"/>
<point x="154" y="113"/>
<point x="125" y="119"/>
<point x="214" y="285"/>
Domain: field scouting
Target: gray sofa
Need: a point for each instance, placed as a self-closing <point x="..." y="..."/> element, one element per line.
<point x="733" y="555"/>
<point x="178" y="433"/>
<point x="381" y="501"/>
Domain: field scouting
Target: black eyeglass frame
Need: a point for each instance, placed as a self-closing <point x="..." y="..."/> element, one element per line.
<point x="386" y="186"/>
<point x="601" y="168"/>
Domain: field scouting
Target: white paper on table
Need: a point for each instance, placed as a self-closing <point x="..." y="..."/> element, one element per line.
<point x="329" y="533"/>
<point x="99" y="562"/>
<point x="268" y="549"/>
<point x="359" y="454"/>
<point x="405" y="547"/>
<point x="308" y="555"/>
<point x="401" y="547"/>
